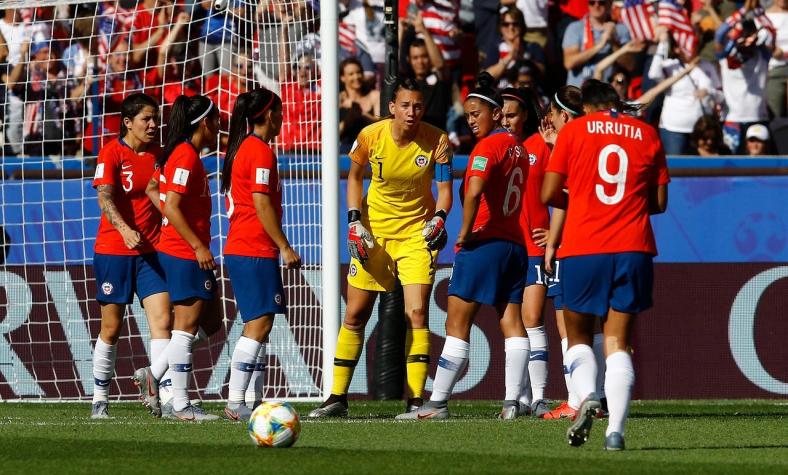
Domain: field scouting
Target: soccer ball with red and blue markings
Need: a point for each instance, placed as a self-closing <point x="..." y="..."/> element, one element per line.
<point x="274" y="424"/>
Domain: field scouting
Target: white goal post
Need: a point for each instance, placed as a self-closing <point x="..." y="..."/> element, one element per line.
<point x="65" y="66"/>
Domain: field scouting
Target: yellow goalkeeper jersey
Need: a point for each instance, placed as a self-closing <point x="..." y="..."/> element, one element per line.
<point x="399" y="198"/>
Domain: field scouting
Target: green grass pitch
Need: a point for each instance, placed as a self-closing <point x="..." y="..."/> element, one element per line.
<point x="662" y="437"/>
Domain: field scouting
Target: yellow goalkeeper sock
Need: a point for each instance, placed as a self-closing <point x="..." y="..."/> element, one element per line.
<point x="348" y="351"/>
<point x="417" y="352"/>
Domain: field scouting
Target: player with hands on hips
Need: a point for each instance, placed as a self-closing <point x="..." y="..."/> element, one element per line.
<point x="394" y="232"/>
<point x="491" y="260"/>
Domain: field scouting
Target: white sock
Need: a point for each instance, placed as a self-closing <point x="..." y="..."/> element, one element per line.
<point x="453" y="359"/>
<point x="254" y="391"/>
<point x="537" y="363"/>
<point x="103" y="368"/>
<point x="619" y="380"/>
<point x="582" y="369"/>
<point x="241" y="368"/>
<point x="599" y="355"/>
<point x="159" y="361"/>
<point x="157" y="348"/>
<point x="179" y="355"/>
<point x="517" y="349"/>
<point x="200" y="338"/>
<point x="571" y="395"/>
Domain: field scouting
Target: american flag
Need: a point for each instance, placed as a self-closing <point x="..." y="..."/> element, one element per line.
<point x="676" y="19"/>
<point x="637" y="15"/>
<point x="347" y="38"/>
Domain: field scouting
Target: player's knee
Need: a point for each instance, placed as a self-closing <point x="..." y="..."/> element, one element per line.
<point x="458" y="328"/>
<point x="356" y="318"/>
<point x="532" y="319"/>
<point x="110" y="335"/>
<point x="417" y="318"/>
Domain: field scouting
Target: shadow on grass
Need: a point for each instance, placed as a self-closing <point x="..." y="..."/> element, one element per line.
<point x="715" y="447"/>
<point x="700" y="415"/>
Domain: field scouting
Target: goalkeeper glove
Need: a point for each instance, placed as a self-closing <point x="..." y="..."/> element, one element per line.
<point x="434" y="231"/>
<point x="359" y="240"/>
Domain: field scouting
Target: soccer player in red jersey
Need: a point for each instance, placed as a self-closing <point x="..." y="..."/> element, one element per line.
<point x="126" y="261"/>
<point x="255" y="240"/>
<point x="615" y="171"/>
<point x="521" y="116"/>
<point x="184" y="248"/>
<point x="491" y="259"/>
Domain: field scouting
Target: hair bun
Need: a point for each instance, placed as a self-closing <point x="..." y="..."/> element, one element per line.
<point x="485" y="80"/>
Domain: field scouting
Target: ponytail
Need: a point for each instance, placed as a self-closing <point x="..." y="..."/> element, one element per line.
<point x="250" y="108"/>
<point x="486" y="91"/>
<point x="185" y="117"/>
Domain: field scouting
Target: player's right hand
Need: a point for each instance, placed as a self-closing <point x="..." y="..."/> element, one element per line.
<point x="291" y="258"/>
<point x="359" y="241"/>
<point x="205" y="258"/>
<point x="131" y="238"/>
<point x="549" y="260"/>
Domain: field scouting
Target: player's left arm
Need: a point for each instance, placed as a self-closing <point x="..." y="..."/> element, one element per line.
<point x="553" y="190"/>
<point x="152" y="190"/>
<point x="658" y="192"/>
<point x="658" y="199"/>
<point x="267" y="215"/>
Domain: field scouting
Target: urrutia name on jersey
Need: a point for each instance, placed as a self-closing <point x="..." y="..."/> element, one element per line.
<point x="614" y="128"/>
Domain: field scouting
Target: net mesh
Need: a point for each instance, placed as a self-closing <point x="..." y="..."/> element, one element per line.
<point x="67" y="67"/>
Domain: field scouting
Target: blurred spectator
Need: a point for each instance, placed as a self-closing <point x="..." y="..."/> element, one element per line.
<point x="745" y="50"/>
<point x="527" y="74"/>
<point x="217" y="34"/>
<point x="351" y="47"/>
<point x="487" y="38"/>
<point x="695" y="95"/>
<point x="535" y="13"/>
<point x="15" y="34"/>
<point x="426" y="66"/>
<point x="300" y="88"/>
<point x="707" y="19"/>
<point x="778" y="66"/>
<point x="758" y="140"/>
<point x="514" y="48"/>
<point x="13" y="115"/>
<point x="366" y="18"/>
<point x="588" y="41"/>
<point x="706" y="138"/>
<point x="359" y="105"/>
<point x="611" y="61"/>
<point x="441" y="18"/>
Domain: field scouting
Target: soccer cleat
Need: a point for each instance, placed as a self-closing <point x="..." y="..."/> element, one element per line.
<point x="539" y="408"/>
<point x="149" y="390"/>
<point x="427" y="411"/>
<point x="166" y="408"/>
<point x="194" y="414"/>
<point x="335" y="406"/>
<point x="614" y="442"/>
<point x="238" y="412"/>
<point x="509" y="411"/>
<point x="578" y="432"/>
<point x="413" y="404"/>
<point x="602" y="412"/>
<point x="523" y="410"/>
<point x="563" y="411"/>
<point x="100" y="410"/>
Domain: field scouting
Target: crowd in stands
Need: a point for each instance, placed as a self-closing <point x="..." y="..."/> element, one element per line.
<point x="710" y="74"/>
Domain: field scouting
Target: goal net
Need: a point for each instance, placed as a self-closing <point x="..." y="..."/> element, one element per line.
<point x="66" y="66"/>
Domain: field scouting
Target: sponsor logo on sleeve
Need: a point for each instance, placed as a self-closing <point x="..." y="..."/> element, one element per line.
<point x="479" y="163"/>
<point x="99" y="171"/>
<point x="262" y="176"/>
<point x="180" y="177"/>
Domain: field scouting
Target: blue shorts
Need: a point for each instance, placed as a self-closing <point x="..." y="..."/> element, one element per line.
<point x="490" y="272"/>
<point x="118" y="278"/>
<point x="535" y="274"/>
<point x="257" y="286"/>
<point x="598" y="282"/>
<point x="554" y="289"/>
<point x="185" y="279"/>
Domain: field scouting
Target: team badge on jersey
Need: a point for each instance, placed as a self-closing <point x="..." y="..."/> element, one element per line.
<point x="106" y="287"/>
<point x="181" y="176"/>
<point x="532" y="159"/>
<point x="421" y="161"/>
<point x="353" y="270"/>
<point x="479" y="163"/>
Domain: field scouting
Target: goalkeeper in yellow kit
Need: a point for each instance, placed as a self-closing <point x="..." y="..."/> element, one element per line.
<point x="395" y="232"/>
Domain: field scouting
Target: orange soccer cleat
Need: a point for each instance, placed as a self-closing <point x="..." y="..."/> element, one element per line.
<point x="563" y="411"/>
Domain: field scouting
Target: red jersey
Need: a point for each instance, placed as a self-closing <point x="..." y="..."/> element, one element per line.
<point x="185" y="174"/>
<point x="534" y="214"/>
<point x="254" y="171"/>
<point x="611" y="162"/>
<point x="500" y="160"/>
<point x="129" y="173"/>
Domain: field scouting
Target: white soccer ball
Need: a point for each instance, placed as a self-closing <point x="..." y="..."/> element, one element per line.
<point x="274" y="424"/>
<point x="219" y="5"/>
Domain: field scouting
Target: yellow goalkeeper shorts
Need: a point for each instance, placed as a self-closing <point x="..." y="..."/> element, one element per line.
<point x="407" y="259"/>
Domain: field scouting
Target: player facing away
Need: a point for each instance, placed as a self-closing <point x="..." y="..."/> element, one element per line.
<point x="255" y="241"/>
<point x="395" y="232"/>
<point x="490" y="264"/>
<point x="125" y="260"/>
<point x="615" y="171"/>
<point x="184" y="249"/>
<point x="521" y="115"/>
